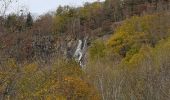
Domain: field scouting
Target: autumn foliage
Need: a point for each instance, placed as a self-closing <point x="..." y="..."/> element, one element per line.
<point x="127" y="56"/>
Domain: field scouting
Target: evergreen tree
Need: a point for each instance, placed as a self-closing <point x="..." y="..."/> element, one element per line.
<point x="29" y="21"/>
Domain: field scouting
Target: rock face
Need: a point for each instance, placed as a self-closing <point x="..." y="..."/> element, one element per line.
<point x="81" y="51"/>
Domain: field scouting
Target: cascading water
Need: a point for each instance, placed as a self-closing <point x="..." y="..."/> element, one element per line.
<point x="80" y="51"/>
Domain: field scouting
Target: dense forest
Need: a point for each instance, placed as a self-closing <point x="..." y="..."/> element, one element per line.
<point x="110" y="50"/>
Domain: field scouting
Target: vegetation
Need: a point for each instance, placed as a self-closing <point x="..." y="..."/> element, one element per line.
<point x="138" y="31"/>
<point x="127" y="56"/>
<point x="143" y="77"/>
<point x="60" y="81"/>
<point x="131" y="65"/>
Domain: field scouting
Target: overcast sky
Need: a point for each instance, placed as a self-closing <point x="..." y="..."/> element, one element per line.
<point x="43" y="6"/>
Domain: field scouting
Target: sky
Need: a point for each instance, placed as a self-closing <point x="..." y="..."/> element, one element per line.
<point x="42" y="6"/>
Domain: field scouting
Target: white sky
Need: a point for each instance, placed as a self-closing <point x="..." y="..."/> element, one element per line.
<point x="43" y="6"/>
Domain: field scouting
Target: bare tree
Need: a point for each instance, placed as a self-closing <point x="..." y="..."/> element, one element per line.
<point x="4" y="5"/>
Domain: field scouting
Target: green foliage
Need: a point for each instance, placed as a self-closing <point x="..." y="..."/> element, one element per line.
<point x="14" y="23"/>
<point x="75" y="20"/>
<point x="63" y="16"/>
<point x="97" y="50"/>
<point x="59" y="24"/>
<point x="11" y="20"/>
<point x="29" y="20"/>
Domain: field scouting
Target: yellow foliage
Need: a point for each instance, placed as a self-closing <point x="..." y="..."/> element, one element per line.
<point x="76" y="89"/>
<point x="11" y="64"/>
<point x="97" y="50"/>
<point x="31" y="68"/>
<point x="64" y="81"/>
<point x="56" y="98"/>
<point x="138" y="31"/>
<point x="144" y="53"/>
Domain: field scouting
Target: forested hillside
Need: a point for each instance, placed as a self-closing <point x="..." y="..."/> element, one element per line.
<point x="110" y="50"/>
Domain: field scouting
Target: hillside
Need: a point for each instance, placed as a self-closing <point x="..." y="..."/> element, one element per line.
<point x="111" y="50"/>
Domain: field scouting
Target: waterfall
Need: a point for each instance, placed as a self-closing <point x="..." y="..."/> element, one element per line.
<point x="80" y="51"/>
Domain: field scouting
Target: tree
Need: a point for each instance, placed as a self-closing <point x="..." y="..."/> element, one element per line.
<point x="29" y="21"/>
<point x="4" y="5"/>
<point x="139" y="30"/>
<point x="11" y="22"/>
<point x="114" y="9"/>
<point x="14" y="23"/>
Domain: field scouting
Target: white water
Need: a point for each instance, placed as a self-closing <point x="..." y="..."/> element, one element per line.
<point x="80" y="51"/>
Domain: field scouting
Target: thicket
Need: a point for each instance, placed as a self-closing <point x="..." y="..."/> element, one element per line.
<point x="142" y="70"/>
